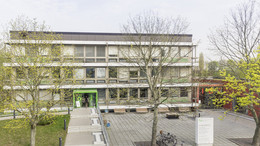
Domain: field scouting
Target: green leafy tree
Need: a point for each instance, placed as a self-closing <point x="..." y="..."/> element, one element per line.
<point x="246" y="92"/>
<point x="33" y="72"/>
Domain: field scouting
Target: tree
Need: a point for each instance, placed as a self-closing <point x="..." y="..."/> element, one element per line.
<point x="246" y="92"/>
<point x="34" y="72"/>
<point x="237" y="41"/>
<point x="238" y="38"/>
<point x="201" y="64"/>
<point x="152" y="51"/>
<point x="213" y="68"/>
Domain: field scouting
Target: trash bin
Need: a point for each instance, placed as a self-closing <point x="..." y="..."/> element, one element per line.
<point x="108" y="124"/>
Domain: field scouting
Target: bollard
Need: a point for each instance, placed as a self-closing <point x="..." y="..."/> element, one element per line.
<point x="68" y="111"/>
<point x="60" y="141"/>
<point x="199" y="114"/>
<point x="14" y="114"/>
<point x="65" y="124"/>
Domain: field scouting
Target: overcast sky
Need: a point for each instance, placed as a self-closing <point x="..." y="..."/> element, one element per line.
<point x="109" y="15"/>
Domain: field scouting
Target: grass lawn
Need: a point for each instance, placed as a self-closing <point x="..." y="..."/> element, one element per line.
<point x="47" y="135"/>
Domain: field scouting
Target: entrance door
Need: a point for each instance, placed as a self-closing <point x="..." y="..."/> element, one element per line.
<point x="85" y="98"/>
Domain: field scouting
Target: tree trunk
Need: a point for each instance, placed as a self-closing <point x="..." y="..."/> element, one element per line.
<point x="154" y="128"/>
<point x="256" y="138"/>
<point x="33" y="134"/>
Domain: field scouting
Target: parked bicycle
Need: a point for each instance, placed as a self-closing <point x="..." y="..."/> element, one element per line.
<point x="164" y="139"/>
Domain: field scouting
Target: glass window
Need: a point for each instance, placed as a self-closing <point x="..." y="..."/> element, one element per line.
<point x="143" y="73"/>
<point x="123" y="92"/>
<point x="184" y="92"/>
<point x="101" y="72"/>
<point x="90" y="72"/>
<point x="164" y="93"/>
<point x="101" y="51"/>
<point x="112" y="72"/>
<point x="112" y="60"/>
<point x="112" y="81"/>
<point x="90" y="51"/>
<point x="113" y="93"/>
<point x="112" y="51"/>
<point x="123" y="73"/>
<point x="185" y="52"/>
<point x="101" y="93"/>
<point x="133" y="92"/>
<point x="56" y="72"/>
<point x="90" y="81"/>
<point x="79" y="51"/>
<point x="79" y="73"/>
<point x="184" y="72"/>
<point x="101" y="60"/>
<point x="143" y="92"/>
<point x="101" y="81"/>
<point x="133" y="74"/>
<point x="90" y="60"/>
<point x="174" y="92"/>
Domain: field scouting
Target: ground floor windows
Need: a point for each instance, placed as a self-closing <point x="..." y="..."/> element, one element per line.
<point x="143" y="92"/>
<point x="113" y="93"/>
<point x="101" y="94"/>
<point x="183" y="92"/>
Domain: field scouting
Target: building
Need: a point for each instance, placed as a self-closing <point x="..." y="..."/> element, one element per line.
<point x="100" y="68"/>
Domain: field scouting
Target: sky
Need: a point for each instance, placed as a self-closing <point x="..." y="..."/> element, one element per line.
<point x="203" y="16"/>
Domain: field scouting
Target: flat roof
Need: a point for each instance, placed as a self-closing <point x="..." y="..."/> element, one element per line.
<point x="107" y="36"/>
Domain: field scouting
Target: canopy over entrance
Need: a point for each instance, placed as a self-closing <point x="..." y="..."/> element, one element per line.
<point x="78" y="95"/>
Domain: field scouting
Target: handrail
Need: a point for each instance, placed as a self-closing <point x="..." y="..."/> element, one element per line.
<point x="102" y="126"/>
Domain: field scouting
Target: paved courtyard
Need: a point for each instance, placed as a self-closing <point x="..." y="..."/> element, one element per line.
<point x="132" y="127"/>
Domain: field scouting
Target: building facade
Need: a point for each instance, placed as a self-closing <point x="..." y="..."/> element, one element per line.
<point x="98" y="62"/>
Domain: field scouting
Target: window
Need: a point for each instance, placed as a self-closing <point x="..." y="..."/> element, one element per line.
<point x="101" y="93"/>
<point x="101" y="72"/>
<point x="184" y="72"/>
<point x="112" y="93"/>
<point x="133" y="81"/>
<point x="69" y="73"/>
<point x="143" y="73"/>
<point x="112" y="51"/>
<point x="90" y="81"/>
<point x="123" y="73"/>
<point x="101" y="81"/>
<point x="112" y="81"/>
<point x="143" y="92"/>
<point x="164" y="93"/>
<point x="133" y="93"/>
<point x="90" y="72"/>
<point x="79" y="60"/>
<point x="185" y="52"/>
<point x="174" y="92"/>
<point x="112" y="72"/>
<point x="101" y="60"/>
<point x="90" y="51"/>
<point x="184" y="92"/>
<point x="133" y="74"/>
<point x="174" y="52"/>
<point x="101" y="51"/>
<point x="123" y="92"/>
<point x="112" y="60"/>
<point x="56" y="72"/>
<point x="79" y="73"/>
<point x="79" y="51"/>
<point x="90" y="60"/>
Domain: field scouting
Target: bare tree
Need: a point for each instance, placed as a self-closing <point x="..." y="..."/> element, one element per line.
<point x="237" y="40"/>
<point x="154" y="51"/>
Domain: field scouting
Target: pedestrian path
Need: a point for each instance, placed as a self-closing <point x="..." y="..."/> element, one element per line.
<point x="84" y="128"/>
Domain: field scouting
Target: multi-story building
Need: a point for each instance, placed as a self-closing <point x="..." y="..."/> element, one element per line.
<point x="99" y="66"/>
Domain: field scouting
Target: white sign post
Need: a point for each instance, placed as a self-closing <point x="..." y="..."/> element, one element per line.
<point x="204" y="132"/>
